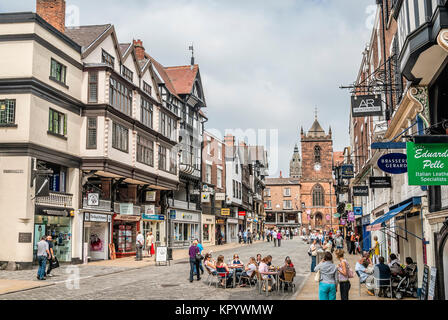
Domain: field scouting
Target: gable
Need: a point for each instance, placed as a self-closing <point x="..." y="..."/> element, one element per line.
<point x="130" y="62"/>
<point x="149" y="77"/>
<point x="108" y="45"/>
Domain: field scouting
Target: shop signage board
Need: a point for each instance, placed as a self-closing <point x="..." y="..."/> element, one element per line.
<point x="172" y="214"/>
<point x="205" y="197"/>
<point x="232" y="221"/>
<point x="380" y="182"/>
<point x="196" y="192"/>
<point x="393" y="163"/>
<point x="337" y="215"/>
<point x="428" y="164"/>
<point x="360" y="191"/>
<point x="358" y="211"/>
<point x="241" y="213"/>
<point x="126" y="208"/>
<point x="151" y="196"/>
<point x="349" y="207"/>
<point x="153" y="217"/>
<point x="375" y="227"/>
<point x="351" y="216"/>
<point x="347" y="171"/>
<point x="432" y="283"/>
<point x="25" y="237"/>
<point x="94" y="217"/>
<point x="225" y="212"/>
<point x="161" y="255"/>
<point x="93" y="199"/>
<point x="367" y="105"/>
<point x="150" y="209"/>
<point x="220" y="196"/>
<point x="425" y="283"/>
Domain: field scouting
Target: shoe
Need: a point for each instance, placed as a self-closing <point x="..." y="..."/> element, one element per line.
<point x="370" y="293"/>
<point x="199" y="279"/>
<point x="43" y="278"/>
<point x="50" y="275"/>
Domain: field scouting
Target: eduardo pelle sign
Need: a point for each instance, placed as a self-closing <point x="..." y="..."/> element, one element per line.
<point x="427" y="164"/>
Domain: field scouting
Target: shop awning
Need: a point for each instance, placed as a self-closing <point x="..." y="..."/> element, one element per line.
<point x="391" y="214"/>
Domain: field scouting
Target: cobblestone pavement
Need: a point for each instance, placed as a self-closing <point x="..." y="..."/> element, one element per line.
<point x="158" y="282"/>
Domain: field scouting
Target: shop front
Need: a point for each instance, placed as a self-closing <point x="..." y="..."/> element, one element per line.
<point x="185" y="227"/>
<point x="97" y="228"/>
<point x="154" y="223"/>
<point x="366" y="244"/>
<point x="125" y="230"/>
<point x="57" y="223"/>
<point x="242" y="221"/>
<point x="232" y="230"/>
<point x="208" y="228"/>
<point x="221" y="230"/>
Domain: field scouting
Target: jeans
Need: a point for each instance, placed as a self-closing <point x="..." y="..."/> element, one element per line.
<point x="49" y="267"/>
<point x="313" y="263"/>
<point x="194" y="264"/>
<point x="345" y="288"/>
<point x="42" y="264"/>
<point x="275" y="242"/>
<point x="327" y="291"/>
<point x="200" y="268"/>
<point x="279" y="242"/>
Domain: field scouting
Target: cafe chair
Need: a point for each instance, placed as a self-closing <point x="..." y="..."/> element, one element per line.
<point x="222" y="276"/>
<point x="289" y="280"/>
<point x="249" y="279"/>
<point x="210" y="276"/>
<point x="381" y="282"/>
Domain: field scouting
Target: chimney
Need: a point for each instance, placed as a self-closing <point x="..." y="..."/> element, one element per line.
<point x="229" y="140"/>
<point x="52" y="11"/>
<point x="139" y="49"/>
<point x="281" y="175"/>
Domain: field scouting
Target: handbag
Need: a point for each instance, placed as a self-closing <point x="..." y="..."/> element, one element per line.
<point x="54" y="263"/>
<point x="199" y="257"/>
<point x="317" y="276"/>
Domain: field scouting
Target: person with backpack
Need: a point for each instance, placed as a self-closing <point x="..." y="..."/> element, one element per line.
<point x="344" y="275"/>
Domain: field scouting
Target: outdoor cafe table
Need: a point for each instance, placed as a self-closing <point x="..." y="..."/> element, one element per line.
<point x="276" y="274"/>
<point x="234" y="267"/>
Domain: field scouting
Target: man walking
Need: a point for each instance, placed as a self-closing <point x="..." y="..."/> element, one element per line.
<point x="245" y="236"/>
<point x="249" y="236"/>
<point x="274" y="237"/>
<point x="139" y="246"/>
<point x="42" y="254"/>
<point x="51" y="256"/>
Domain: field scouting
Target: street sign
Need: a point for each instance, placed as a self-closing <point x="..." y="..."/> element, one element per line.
<point x="428" y="164"/>
<point x="393" y="163"/>
<point x="367" y="105"/>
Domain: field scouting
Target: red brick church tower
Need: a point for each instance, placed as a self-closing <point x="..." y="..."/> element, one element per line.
<point x="318" y="197"/>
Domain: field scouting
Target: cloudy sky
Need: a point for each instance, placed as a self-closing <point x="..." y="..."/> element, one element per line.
<point x="265" y="64"/>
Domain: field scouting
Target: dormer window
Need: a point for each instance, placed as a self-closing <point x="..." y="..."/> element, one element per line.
<point x="126" y="73"/>
<point x="147" y="88"/>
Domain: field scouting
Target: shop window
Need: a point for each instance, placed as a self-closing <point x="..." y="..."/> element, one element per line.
<point x="124" y="236"/>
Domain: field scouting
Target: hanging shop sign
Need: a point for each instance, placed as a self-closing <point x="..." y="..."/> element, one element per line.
<point x="380" y="182"/>
<point x="205" y="197"/>
<point x="127" y="209"/>
<point x="367" y="105"/>
<point x="220" y="197"/>
<point x="150" y="196"/>
<point x="93" y="199"/>
<point x="336" y="215"/>
<point x="428" y="164"/>
<point x="172" y="214"/>
<point x="196" y="192"/>
<point x="242" y="213"/>
<point x="375" y="227"/>
<point x="150" y="209"/>
<point x="360" y="191"/>
<point x="347" y="171"/>
<point x="225" y="212"/>
<point x="343" y="222"/>
<point x="349" y="207"/>
<point x="358" y="211"/>
<point x="351" y="216"/>
<point x="393" y="163"/>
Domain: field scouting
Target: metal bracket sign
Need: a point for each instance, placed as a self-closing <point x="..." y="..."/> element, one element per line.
<point x="367" y="105"/>
<point x="388" y="145"/>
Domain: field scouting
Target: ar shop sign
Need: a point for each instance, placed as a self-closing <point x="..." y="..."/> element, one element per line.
<point x="367" y="105"/>
<point x="428" y="164"/>
<point x="393" y="163"/>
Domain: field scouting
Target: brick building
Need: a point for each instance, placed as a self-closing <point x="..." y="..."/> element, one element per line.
<point x="318" y="199"/>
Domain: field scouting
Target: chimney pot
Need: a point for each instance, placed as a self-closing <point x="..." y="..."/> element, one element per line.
<point x="139" y="49"/>
<point x="52" y="11"/>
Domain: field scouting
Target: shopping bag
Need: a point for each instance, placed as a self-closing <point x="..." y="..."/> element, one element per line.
<point x="54" y="263"/>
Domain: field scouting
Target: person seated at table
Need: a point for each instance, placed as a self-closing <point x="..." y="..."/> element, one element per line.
<point x="263" y="268"/>
<point x="210" y="264"/>
<point x="250" y="268"/>
<point x="236" y="261"/>
<point x="258" y="259"/>
<point x="287" y="267"/>
<point x="269" y="263"/>
<point x="223" y="270"/>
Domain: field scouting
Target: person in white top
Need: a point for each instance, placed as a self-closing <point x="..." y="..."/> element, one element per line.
<point x="274" y="237"/>
<point x="150" y="244"/>
<point x="139" y="241"/>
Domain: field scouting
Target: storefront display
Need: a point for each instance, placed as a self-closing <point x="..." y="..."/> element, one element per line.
<point x="208" y="229"/>
<point x="59" y="228"/>
<point x="96" y="235"/>
<point x="156" y="225"/>
<point x="125" y="229"/>
<point x="232" y="230"/>
<point x="185" y="227"/>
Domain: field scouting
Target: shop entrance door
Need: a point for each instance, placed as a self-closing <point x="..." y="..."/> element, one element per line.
<point x="366" y="244"/>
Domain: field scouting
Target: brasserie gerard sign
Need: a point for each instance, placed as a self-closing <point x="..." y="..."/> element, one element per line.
<point x="427" y="164"/>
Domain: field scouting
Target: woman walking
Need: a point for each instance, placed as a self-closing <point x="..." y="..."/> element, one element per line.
<point x="343" y="275"/>
<point x="328" y="278"/>
<point x="194" y="261"/>
<point x="150" y="244"/>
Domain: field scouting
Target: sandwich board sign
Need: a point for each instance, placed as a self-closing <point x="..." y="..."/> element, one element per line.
<point x="162" y="256"/>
